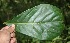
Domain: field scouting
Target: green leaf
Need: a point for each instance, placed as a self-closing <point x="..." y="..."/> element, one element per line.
<point x="43" y="22"/>
<point x="68" y="29"/>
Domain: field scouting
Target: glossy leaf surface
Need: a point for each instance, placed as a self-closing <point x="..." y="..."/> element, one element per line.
<point x="43" y="22"/>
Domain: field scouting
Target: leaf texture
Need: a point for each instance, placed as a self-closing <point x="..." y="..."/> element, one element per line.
<point x="43" y="22"/>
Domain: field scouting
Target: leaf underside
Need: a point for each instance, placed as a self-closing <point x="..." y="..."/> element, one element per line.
<point x="43" y="22"/>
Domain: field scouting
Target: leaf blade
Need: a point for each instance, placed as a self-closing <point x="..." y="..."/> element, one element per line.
<point x="43" y="22"/>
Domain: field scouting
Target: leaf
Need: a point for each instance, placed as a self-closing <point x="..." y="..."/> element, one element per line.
<point x="68" y="29"/>
<point x="43" y="22"/>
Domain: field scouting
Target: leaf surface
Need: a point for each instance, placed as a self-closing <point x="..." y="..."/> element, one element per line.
<point x="43" y="22"/>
